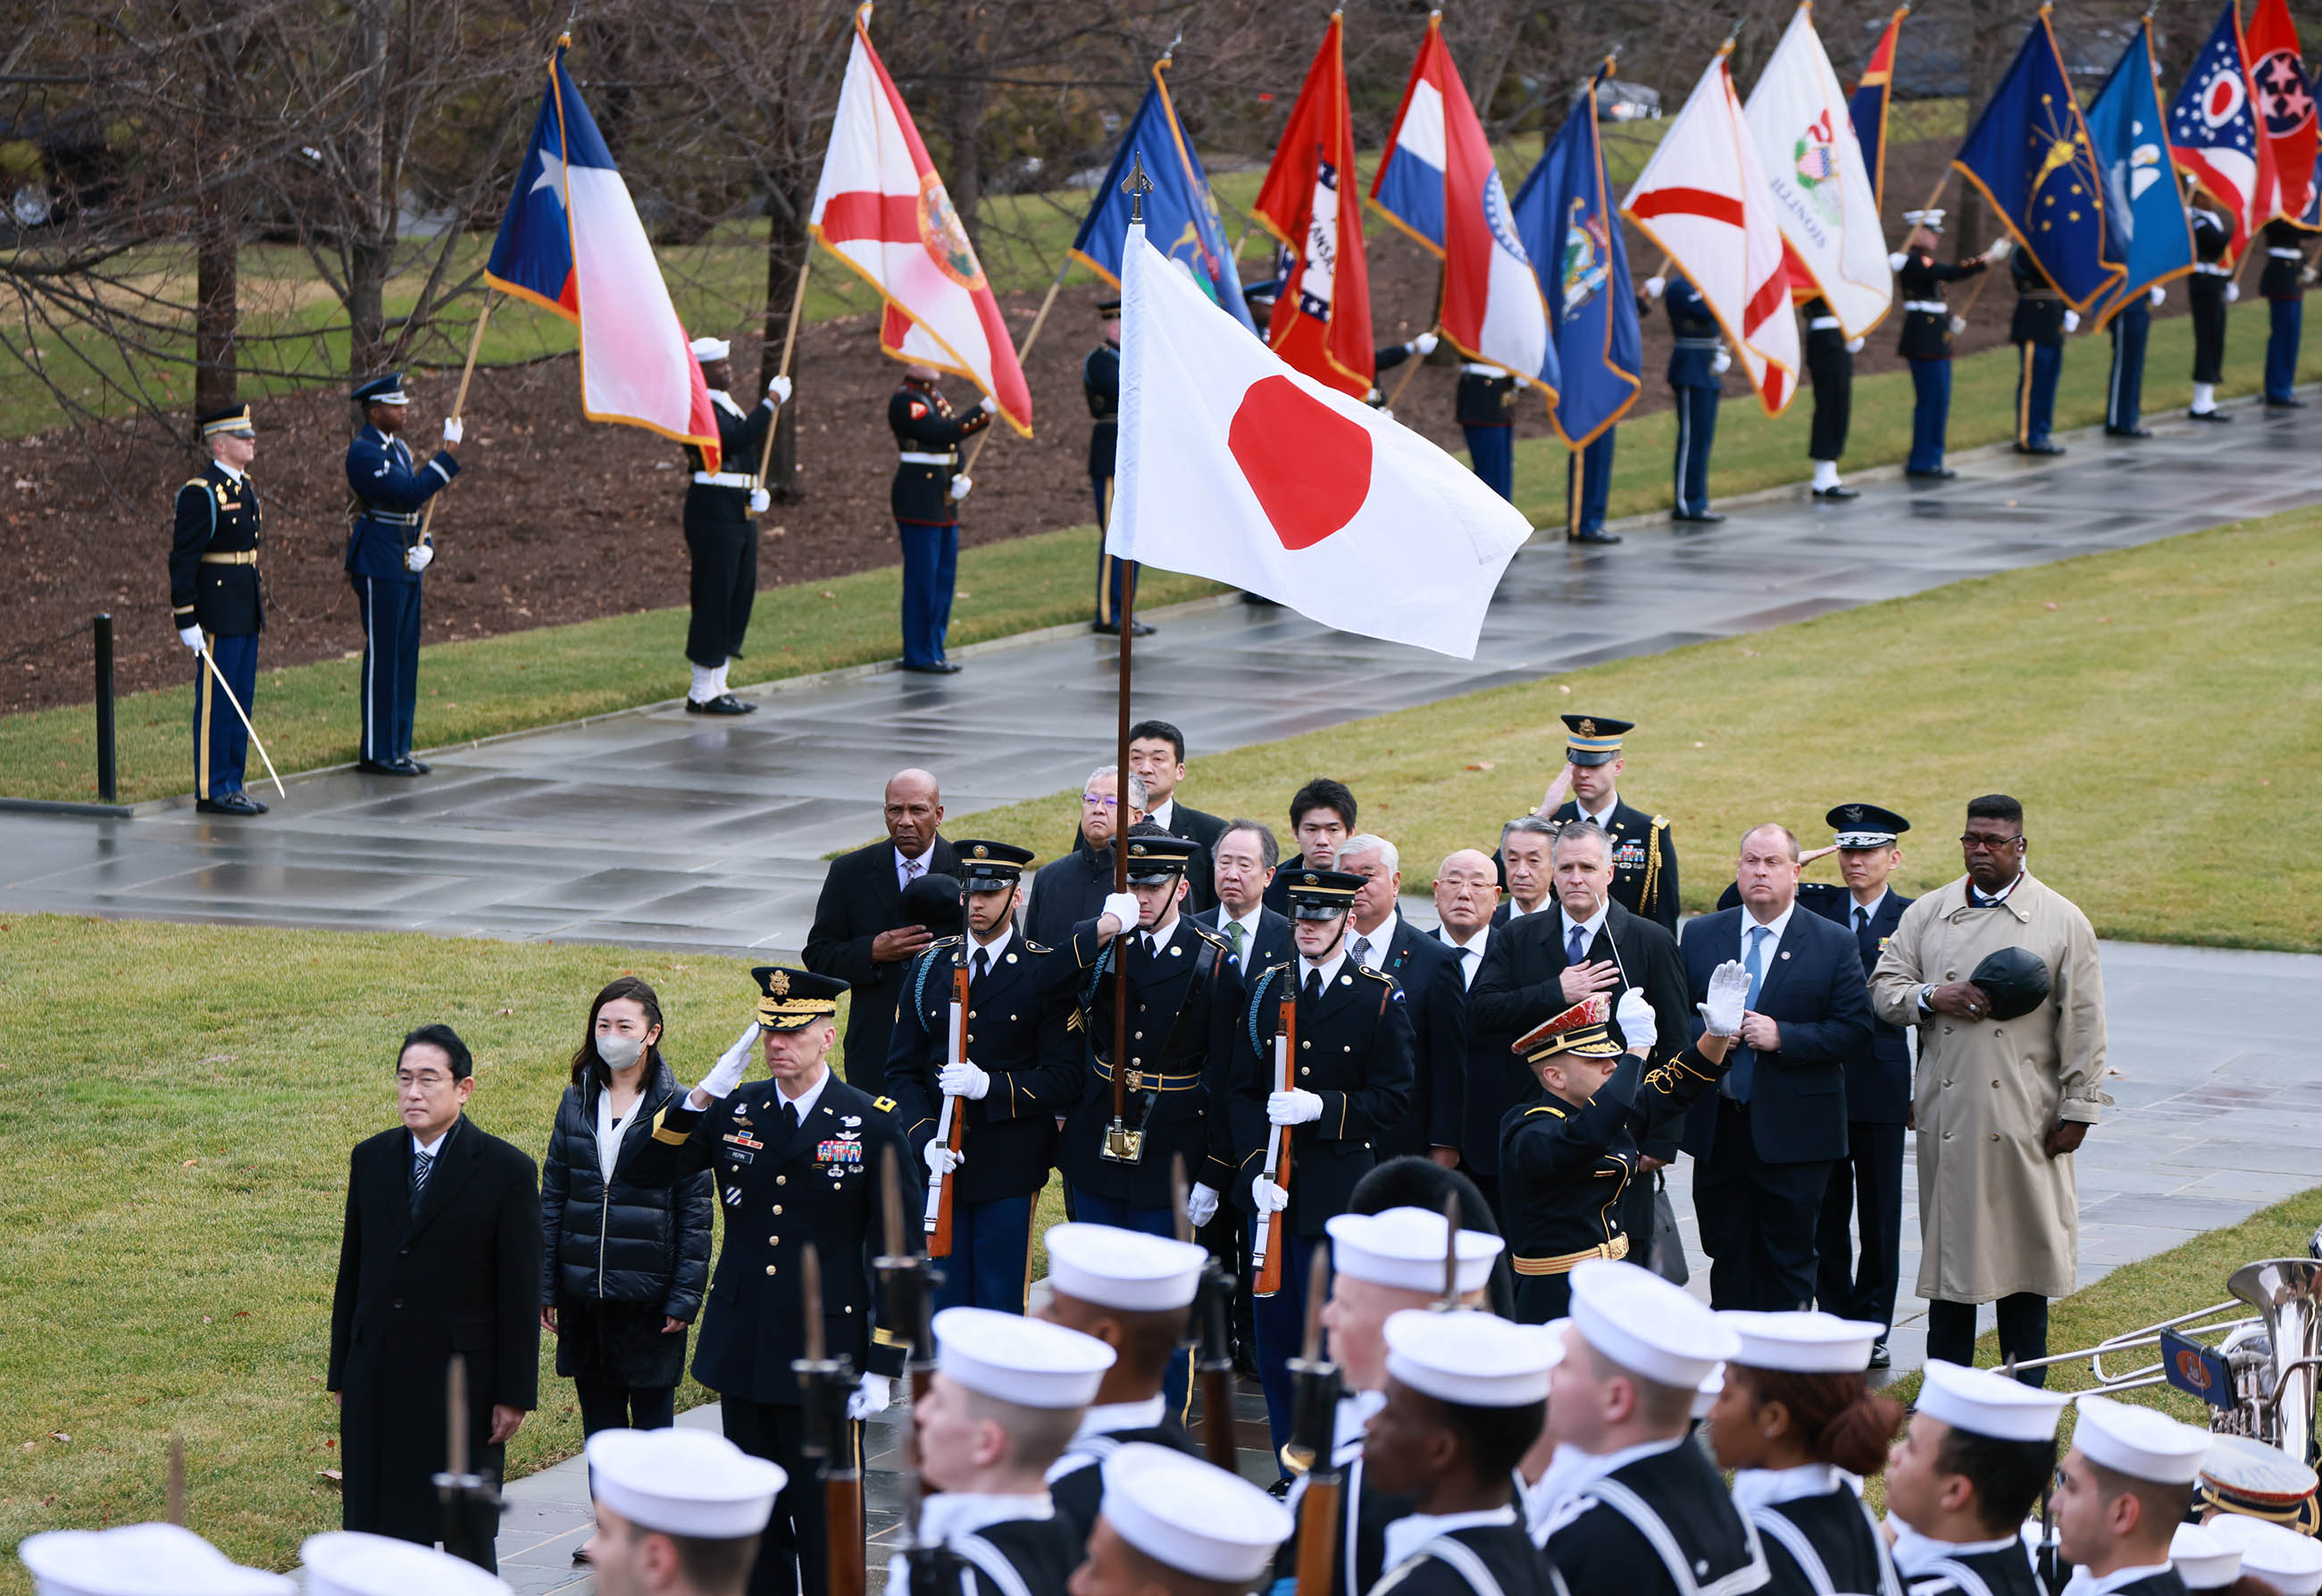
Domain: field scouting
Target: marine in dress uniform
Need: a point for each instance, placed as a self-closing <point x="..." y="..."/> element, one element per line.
<point x="1022" y="1069"/>
<point x="386" y="560"/>
<point x="219" y="605"/>
<point x="1644" y="848"/>
<point x="720" y="536"/>
<point x="797" y="1160"/>
<point x="145" y="1560"/>
<point x="2121" y="1494"/>
<point x="925" y="500"/>
<point x="703" y="1497"/>
<point x="1697" y="360"/>
<point x="1995" y="1436"/>
<point x="2037" y="331"/>
<point x="1830" y="371"/>
<point x="1193" y="1529"/>
<point x="2124" y="386"/>
<point x="1485" y="405"/>
<point x="2284" y="284"/>
<point x="1116" y="579"/>
<point x="2209" y="290"/>
<point x="1928" y="325"/>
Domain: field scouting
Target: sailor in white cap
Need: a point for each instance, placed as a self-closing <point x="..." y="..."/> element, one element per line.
<point x="1798" y="1422"/>
<point x="1175" y="1526"/>
<point x="354" y="1563"/>
<point x="2204" y="1562"/>
<point x="1133" y="1292"/>
<point x="1467" y="1395"/>
<point x="140" y="1560"/>
<point x="1005" y="1399"/>
<point x="2270" y="1555"/>
<point x="2122" y="1492"/>
<point x="1647" y="1514"/>
<point x="1979" y="1450"/>
<point x="720" y="536"/>
<point x="679" y="1512"/>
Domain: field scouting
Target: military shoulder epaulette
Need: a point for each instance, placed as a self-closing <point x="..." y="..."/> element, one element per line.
<point x="947" y="941"/>
<point x="1546" y="1108"/>
<point x="1036" y="947"/>
<point x="1209" y="935"/>
<point x="1375" y="973"/>
<point x="195" y="482"/>
<point x="1660" y="820"/>
<point x="884" y="1105"/>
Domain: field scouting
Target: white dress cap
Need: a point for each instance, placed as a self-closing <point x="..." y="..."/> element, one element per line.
<point x="2204" y="1562"/>
<point x="2289" y="1562"/>
<point x="1125" y="1270"/>
<point x="140" y="1560"/>
<point x="1477" y="1360"/>
<point x="1191" y="1516"/>
<point x="2142" y="1442"/>
<point x="1028" y="1362"/>
<point x="1647" y="1326"/>
<point x="686" y="1482"/>
<point x="1985" y="1402"/>
<point x="1705" y="1394"/>
<point x="349" y="1562"/>
<point x="1403" y="1248"/>
<point x="710" y="349"/>
<point x="1802" y="1342"/>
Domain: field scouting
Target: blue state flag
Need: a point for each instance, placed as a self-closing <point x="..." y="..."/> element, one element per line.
<point x="1180" y="216"/>
<point x="1569" y="229"/>
<point x="2144" y="205"/>
<point x="2029" y="153"/>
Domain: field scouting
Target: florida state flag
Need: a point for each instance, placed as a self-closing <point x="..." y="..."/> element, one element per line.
<point x="1311" y="202"/>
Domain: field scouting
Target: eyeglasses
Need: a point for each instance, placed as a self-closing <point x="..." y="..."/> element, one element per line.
<point x="1106" y="798"/>
<point x="1984" y="844"/>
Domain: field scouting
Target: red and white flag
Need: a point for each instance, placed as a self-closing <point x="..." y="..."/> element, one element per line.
<point x="1823" y="199"/>
<point x="1309" y="201"/>
<point x="2285" y="105"/>
<point x="881" y="208"/>
<point x="1234" y="466"/>
<point x="1702" y="197"/>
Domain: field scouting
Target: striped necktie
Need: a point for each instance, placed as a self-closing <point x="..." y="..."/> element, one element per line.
<point x="421" y="1163"/>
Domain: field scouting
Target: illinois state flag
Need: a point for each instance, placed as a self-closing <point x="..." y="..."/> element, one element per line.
<point x="1823" y="199"/>
<point x="1322" y="322"/>
<point x="570" y="242"/>
<point x="1440" y="184"/>
<point x="881" y="208"/>
<point x="2285" y="105"/>
<point x="1235" y="467"/>
<point x="2215" y="134"/>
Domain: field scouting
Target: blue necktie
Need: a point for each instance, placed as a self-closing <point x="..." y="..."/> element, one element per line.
<point x="1745" y="1059"/>
<point x="1575" y="946"/>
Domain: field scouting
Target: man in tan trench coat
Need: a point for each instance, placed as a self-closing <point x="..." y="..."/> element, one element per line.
<point x="1998" y="1106"/>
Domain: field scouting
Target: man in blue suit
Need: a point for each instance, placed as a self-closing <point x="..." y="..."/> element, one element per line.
<point x="386" y="555"/>
<point x="1765" y="1141"/>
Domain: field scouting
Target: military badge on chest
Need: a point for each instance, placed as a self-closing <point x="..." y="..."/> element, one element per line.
<point x="1629" y="855"/>
<point x="839" y="1156"/>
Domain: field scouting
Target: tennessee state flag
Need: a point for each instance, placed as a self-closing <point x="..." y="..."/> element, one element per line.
<point x="1321" y="324"/>
<point x="570" y="242"/>
<point x="2285" y="105"/>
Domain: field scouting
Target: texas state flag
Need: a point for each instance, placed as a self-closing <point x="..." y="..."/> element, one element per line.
<point x="572" y="244"/>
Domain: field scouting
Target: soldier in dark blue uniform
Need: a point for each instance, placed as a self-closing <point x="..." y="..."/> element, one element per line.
<point x="1116" y="579"/>
<point x="2209" y="290"/>
<point x="218" y="604"/>
<point x="1697" y="360"/>
<point x="2130" y="326"/>
<point x="1928" y="327"/>
<point x="1485" y="408"/>
<point x="1588" y="491"/>
<point x="2040" y="321"/>
<point x="924" y="498"/>
<point x="720" y="533"/>
<point x="796" y="1159"/>
<point x="1960" y="1483"/>
<point x="1830" y="371"/>
<point x="386" y="557"/>
<point x="1022" y="1069"/>
<point x="1351" y="1078"/>
<point x="1644" y="849"/>
<point x="2284" y="284"/>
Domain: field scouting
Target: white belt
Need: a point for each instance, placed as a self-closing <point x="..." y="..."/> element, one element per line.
<point x="389" y="517"/>
<point x="1478" y="369"/>
<point x="1823" y="325"/>
<point x="912" y="456"/>
<point x="725" y="479"/>
<point x="2287" y="254"/>
<point x="1932" y="307"/>
<point x="2210" y="269"/>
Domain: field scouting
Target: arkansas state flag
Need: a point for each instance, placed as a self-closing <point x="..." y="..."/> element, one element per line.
<point x="2285" y="105"/>
<point x="881" y="208"/>
<point x="2215" y="134"/>
<point x="1235" y="467"/>
<point x="1822" y="197"/>
<point x="1440" y="184"/>
<point x="572" y="244"/>
<point x="1322" y="322"/>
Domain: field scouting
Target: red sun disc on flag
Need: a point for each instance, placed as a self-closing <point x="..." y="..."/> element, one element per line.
<point x="1310" y="466"/>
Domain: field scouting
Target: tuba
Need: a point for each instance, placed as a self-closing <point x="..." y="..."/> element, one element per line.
<point x="2277" y="1360"/>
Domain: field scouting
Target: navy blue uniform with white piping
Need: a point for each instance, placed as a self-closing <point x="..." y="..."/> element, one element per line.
<point x="392" y="494"/>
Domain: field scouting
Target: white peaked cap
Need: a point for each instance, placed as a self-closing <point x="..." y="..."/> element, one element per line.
<point x="1802" y="1342"/>
<point x="1478" y="1360"/>
<point x="1984" y="1403"/>
<point x="686" y="1482"/>
<point x="1125" y="1270"/>
<point x="2204" y="1562"/>
<point x="1403" y="1248"/>
<point x="349" y="1562"/>
<point x="2289" y="1562"/>
<point x="1191" y="1516"/>
<point x="1647" y="1326"/>
<point x="1028" y="1362"/>
<point x="2142" y="1442"/>
<point x="710" y="349"/>
<point x="140" y="1560"/>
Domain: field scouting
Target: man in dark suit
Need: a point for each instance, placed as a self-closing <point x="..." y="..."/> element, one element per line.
<point x="441" y="1256"/>
<point x="1073" y="889"/>
<point x="1466" y="895"/>
<point x="1156" y="753"/>
<point x="1321" y="817"/>
<point x="1766" y="1139"/>
<point x="1428" y="973"/>
<point x="860" y="934"/>
<point x="1524" y="869"/>
<point x="1644" y="853"/>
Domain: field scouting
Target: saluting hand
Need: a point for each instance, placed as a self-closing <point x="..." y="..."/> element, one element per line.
<point x="728" y="1074"/>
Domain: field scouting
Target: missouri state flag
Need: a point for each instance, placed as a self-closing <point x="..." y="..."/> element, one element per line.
<point x="1321" y="324"/>
<point x="1440" y="184"/>
<point x="570" y="242"/>
<point x="2214" y="132"/>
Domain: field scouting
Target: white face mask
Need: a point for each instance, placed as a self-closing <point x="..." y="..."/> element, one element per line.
<point x="619" y="1052"/>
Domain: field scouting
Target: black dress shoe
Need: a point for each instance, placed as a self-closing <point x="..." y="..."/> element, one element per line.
<point x="932" y="668"/>
<point x="1111" y="629"/>
<point x="2216" y="415"/>
<point x="2128" y="432"/>
<point x="2040" y="449"/>
<point x="2290" y="403"/>
<point x="1840" y="492"/>
<point x="392" y="767"/>
<point x="419" y="766"/>
<point x="231" y="803"/>
<point x="1595" y="534"/>
<point x="1881" y="1358"/>
<point x="723" y="704"/>
<point x="1701" y="518"/>
<point x="1940" y="474"/>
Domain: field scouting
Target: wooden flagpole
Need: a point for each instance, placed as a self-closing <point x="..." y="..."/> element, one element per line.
<point x="459" y="403"/>
<point x="789" y="342"/>
<point x="968" y="466"/>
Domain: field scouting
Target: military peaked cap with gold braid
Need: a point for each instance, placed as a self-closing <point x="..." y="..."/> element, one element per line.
<point x="1593" y="739"/>
<point x="233" y="420"/>
<point x="1153" y="860"/>
<point x="1585" y="1029"/>
<point x="795" y="998"/>
<point x="1319" y="894"/>
<point x="989" y="867"/>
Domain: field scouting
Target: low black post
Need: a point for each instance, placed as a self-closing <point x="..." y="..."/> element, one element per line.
<point x="107" y="771"/>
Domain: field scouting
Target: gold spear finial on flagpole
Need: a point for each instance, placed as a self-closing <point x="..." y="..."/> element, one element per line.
<point x="1136" y="186"/>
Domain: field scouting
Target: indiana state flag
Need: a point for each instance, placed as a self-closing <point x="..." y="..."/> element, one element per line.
<point x="2029" y="153"/>
<point x="1181" y="216"/>
<point x="2144" y="206"/>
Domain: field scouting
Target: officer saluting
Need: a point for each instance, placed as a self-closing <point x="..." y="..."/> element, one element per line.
<point x="1928" y="325"/>
<point x="719" y="534"/>
<point x="218" y="604"/>
<point x="924" y="498"/>
<point x="385" y="558"/>
<point x="1644" y="851"/>
<point x="1116" y="579"/>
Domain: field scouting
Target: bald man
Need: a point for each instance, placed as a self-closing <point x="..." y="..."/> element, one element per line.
<point x="860" y="934"/>
<point x="1467" y="891"/>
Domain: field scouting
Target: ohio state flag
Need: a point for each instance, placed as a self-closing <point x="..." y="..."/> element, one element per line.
<point x="1311" y="202"/>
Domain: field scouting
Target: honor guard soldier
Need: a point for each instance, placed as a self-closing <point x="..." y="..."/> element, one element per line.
<point x="351" y="1562"/>
<point x="1021" y="1069"/>
<point x="1644" y="850"/>
<point x="1980" y="1451"/>
<point x="2124" y="387"/>
<point x="1928" y="328"/>
<point x="386" y="560"/>
<point x="2120" y="1495"/>
<point x="1588" y="491"/>
<point x="1175" y="1526"/>
<point x="1005" y="1395"/>
<point x="796" y="1159"/>
<point x="1467" y="1396"/>
<point x="2270" y="1555"/>
<point x="677" y="1511"/>
<point x="926" y="502"/>
<point x="1830" y="371"/>
<point x="720" y="536"/>
<point x="1349" y="1077"/>
<point x="1386" y="356"/>
<point x="2037" y="331"/>
<point x="2210" y="289"/>
<point x="219" y="605"/>
<point x="1567" y="1159"/>
<point x="151" y="1560"/>
<point x="1485" y="405"/>
<point x="1133" y="1292"/>
<point x="1697" y="360"/>
<point x="2284" y="284"/>
<point x="1116" y="579"/>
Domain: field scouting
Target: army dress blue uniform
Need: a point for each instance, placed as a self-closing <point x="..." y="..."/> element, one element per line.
<point x="2038" y="332"/>
<point x="391" y="494"/>
<point x="928" y="434"/>
<point x="1485" y="406"/>
<point x="2208" y="291"/>
<point x="215" y="586"/>
<point x="1116" y="579"/>
<point x="720" y="536"/>
<point x="2284" y="284"/>
<point x="1693" y="381"/>
<point x="1926" y="344"/>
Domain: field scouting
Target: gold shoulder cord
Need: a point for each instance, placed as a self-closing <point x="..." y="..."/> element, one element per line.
<point x="1647" y="897"/>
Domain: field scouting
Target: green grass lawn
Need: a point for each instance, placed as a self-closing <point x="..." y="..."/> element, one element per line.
<point x="2071" y="685"/>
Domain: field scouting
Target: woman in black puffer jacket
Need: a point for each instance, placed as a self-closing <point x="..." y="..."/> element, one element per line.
<point x="623" y="1266"/>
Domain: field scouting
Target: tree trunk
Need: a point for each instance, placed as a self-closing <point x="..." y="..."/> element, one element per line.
<point x="787" y="243"/>
<point x="965" y="180"/>
<point x="218" y="242"/>
<point x="371" y="250"/>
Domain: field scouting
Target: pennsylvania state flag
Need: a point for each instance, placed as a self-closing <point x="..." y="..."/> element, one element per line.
<point x="2144" y="205"/>
<point x="2030" y="154"/>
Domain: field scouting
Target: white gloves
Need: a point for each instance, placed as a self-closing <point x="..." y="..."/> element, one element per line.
<point x="2233" y="292"/>
<point x="1123" y="908"/>
<point x="1270" y="1197"/>
<point x="875" y="1393"/>
<point x="1855" y="346"/>
<point x="1424" y="345"/>
<point x="454" y="430"/>
<point x="418" y="557"/>
<point x="1200" y="1206"/>
<point x="991" y="406"/>
<point x="1729" y="990"/>
<point x="1959" y="326"/>
<point x="761" y="501"/>
<point x="2001" y="249"/>
<point x="1635" y="1018"/>
<point x="960" y="487"/>
<point x="778" y="389"/>
<point x="1293" y="1107"/>
<point x="964" y="1080"/>
<point x="1721" y="363"/>
<point x="2071" y="321"/>
<point x="1522" y="382"/>
<point x="942" y="1159"/>
<point x="726" y="1075"/>
<point x="191" y="636"/>
<point x="1898" y="260"/>
<point x="2158" y="297"/>
<point x="1655" y="287"/>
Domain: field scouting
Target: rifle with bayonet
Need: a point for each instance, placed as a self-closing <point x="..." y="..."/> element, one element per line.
<point x="1269" y="1248"/>
<point x="1212" y="1335"/>
<point x="951" y="1123"/>
<point x="472" y="1502"/>
<point x="825" y="1382"/>
<point x="1449" y="1301"/>
<point x="1312" y="1449"/>
<point x="910" y="1281"/>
